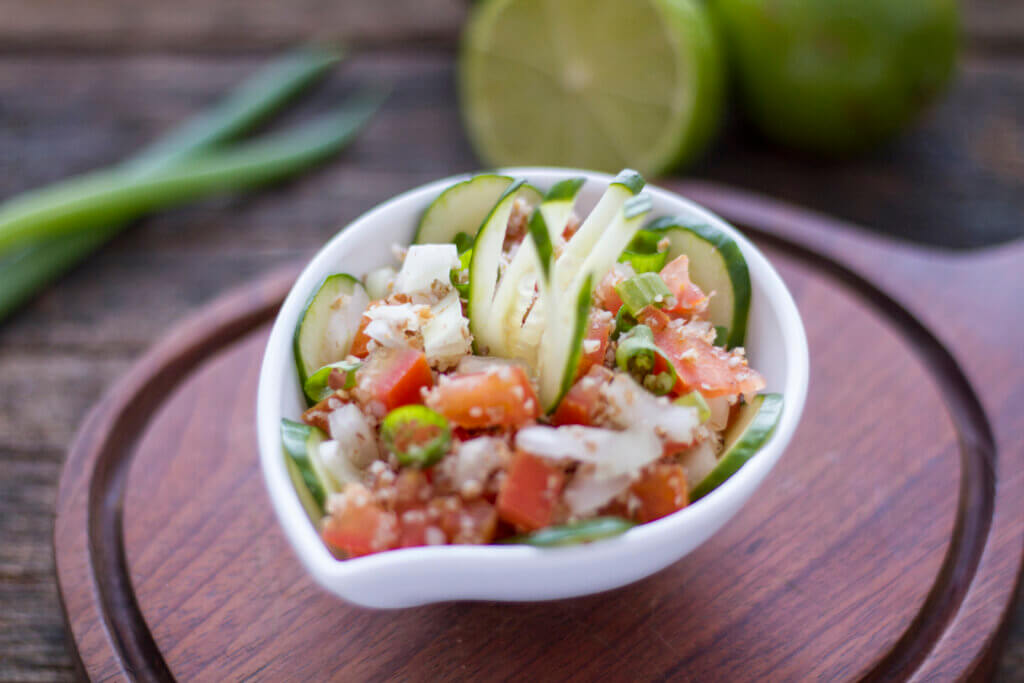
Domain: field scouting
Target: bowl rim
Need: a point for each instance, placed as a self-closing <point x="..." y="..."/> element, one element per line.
<point x="277" y="359"/>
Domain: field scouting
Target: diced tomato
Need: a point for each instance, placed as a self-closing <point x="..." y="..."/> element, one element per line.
<point x="395" y="376"/>
<point x="502" y="397"/>
<point x="690" y="300"/>
<point x="359" y="526"/>
<point x="466" y="523"/>
<point x="580" y="403"/>
<point x="705" y="368"/>
<point x="654" y="318"/>
<point x="606" y="295"/>
<point x="412" y="489"/>
<point x="316" y="416"/>
<point x="599" y="330"/>
<point x="412" y="528"/>
<point x="530" y="491"/>
<point x="661" y="490"/>
<point x="360" y="342"/>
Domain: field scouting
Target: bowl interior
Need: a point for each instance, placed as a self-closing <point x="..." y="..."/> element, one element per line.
<point x="775" y="343"/>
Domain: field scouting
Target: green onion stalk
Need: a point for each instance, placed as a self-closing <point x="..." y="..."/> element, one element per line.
<point x="45" y="232"/>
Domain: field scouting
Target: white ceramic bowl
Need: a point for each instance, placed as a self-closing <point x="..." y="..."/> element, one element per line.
<point x="777" y="347"/>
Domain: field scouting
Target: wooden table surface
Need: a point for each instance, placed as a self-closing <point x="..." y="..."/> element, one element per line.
<point x="83" y="84"/>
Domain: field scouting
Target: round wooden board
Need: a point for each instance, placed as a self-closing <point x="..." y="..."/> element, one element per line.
<point x="886" y="544"/>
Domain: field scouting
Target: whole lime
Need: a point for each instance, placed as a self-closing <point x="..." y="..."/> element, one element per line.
<point x="834" y="76"/>
<point x="598" y="84"/>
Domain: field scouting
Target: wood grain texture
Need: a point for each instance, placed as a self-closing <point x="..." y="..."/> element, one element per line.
<point x="68" y="104"/>
<point x="886" y="544"/>
<point x="225" y="25"/>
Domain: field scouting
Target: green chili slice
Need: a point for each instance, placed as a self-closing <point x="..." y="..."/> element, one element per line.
<point x="637" y="354"/>
<point x="641" y="291"/>
<point x="574" y="533"/>
<point x="417" y="435"/>
<point x="624" y="322"/>
<point x="330" y="378"/>
<point x="696" y="400"/>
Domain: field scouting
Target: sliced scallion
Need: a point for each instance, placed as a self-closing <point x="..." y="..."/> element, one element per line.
<point x="641" y="291"/>
<point x="637" y="354"/>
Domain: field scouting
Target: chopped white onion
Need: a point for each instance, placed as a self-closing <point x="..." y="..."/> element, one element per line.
<point x="630" y="406"/>
<point x="355" y="437"/>
<point x="424" y="265"/>
<point x="446" y="337"/>
<point x="379" y="281"/>
<point x="613" y="453"/>
<point x="698" y="461"/>
<point x="392" y="325"/>
<point x="588" y="492"/>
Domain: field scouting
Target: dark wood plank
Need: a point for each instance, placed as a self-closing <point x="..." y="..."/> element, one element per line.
<point x="223" y="25"/>
<point x="77" y="337"/>
<point x="231" y="25"/>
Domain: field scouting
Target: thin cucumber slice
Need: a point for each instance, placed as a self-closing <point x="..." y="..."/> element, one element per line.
<point x="518" y="281"/>
<point x="566" y="327"/>
<point x="464" y="206"/>
<point x="312" y="481"/>
<point x="326" y="328"/>
<point x="716" y="265"/>
<point x="574" y="533"/>
<point x="626" y="184"/>
<point x="483" y="267"/>
<point x="751" y="428"/>
<point x="558" y="204"/>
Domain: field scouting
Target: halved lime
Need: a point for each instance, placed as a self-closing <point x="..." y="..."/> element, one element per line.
<point x="601" y="84"/>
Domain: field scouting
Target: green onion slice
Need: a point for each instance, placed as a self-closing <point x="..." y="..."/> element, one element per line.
<point x="330" y="378"/>
<point x="417" y="435"/>
<point x="641" y="291"/>
<point x="574" y="533"/>
<point x="637" y="354"/>
<point x="696" y="400"/>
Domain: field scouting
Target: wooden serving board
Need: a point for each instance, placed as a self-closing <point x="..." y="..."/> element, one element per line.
<point x="887" y="543"/>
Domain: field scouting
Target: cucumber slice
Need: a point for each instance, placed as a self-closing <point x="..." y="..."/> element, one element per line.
<point x="566" y="325"/>
<point x="574" y="533"/>
<point x="464" y="206"/>
<point x="507" y="327"/>
<point x="626" y="184"/>
<point x="312" y="482"/>
<point x="558" y="204"/>
<point x="483" y="267"/>
<point x="326" y="328"/>
<point x="751" y="428"/>
<point x="716" y="264"/>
